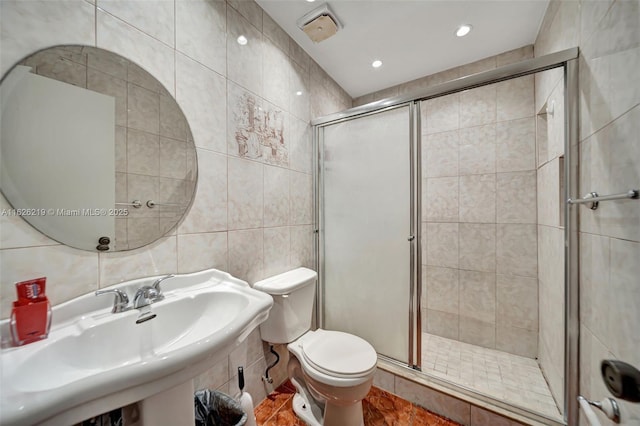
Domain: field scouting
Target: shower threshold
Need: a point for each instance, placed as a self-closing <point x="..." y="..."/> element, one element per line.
<point x="510" y="378"/>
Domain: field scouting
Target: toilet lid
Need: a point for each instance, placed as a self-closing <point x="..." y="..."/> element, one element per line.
<point x="340" y="354"/>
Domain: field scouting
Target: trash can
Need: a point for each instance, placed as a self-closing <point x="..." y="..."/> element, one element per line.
<point x="213" y="408"/>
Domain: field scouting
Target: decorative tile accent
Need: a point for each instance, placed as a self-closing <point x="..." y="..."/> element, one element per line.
<point x="256" y="128"/>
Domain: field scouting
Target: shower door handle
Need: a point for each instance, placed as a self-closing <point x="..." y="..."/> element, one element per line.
<point x="411" y="238"/>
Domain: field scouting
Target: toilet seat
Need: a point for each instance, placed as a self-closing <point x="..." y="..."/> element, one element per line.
<point x="335" y="358"/>
<point x="339" y="354"/>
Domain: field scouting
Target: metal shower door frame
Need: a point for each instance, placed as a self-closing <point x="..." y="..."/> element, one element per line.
<point x="566" y="59"/>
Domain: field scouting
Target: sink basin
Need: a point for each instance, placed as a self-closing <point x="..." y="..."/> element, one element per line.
<point x="95" y="359"/>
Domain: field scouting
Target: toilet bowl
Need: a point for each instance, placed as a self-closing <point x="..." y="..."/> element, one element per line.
<point x="332" y="371"/>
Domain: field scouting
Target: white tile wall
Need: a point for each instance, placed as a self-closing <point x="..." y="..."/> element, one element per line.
<point x="607" y="33"/>
<point x="249" y="217"/>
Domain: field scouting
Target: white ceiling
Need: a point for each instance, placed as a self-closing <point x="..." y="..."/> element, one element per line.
<point x="413" y="38"/>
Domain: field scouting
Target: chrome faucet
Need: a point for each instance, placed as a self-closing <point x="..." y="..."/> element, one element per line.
<point x="121" y="301"/>
<point x="156" y="284"/>
<point x="145" y="296"/>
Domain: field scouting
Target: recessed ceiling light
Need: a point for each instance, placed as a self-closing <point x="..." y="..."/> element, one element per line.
<point x="242" y="40"/>
<point x="311" y="1"/>
<point x="463" y="30"/>
<point x="299" y="93"/>
<point x="377" y="63"/>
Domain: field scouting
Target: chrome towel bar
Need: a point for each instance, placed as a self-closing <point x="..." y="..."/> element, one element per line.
<point x="136" y="204"/>
<point x="593" y="199"/>
<point x="151" y="204"/>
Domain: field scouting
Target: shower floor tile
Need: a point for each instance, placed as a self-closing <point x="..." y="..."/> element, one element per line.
<point x="379" y="408"/>
<point x="511" y="378"/>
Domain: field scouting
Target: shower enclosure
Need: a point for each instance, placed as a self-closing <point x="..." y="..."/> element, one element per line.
<point x="444" y="238"/>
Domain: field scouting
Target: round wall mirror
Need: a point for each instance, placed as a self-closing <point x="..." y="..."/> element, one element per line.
<point x="94" y="152"/>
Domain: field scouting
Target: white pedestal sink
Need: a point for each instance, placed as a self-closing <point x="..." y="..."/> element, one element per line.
<point x="94" y="361"/>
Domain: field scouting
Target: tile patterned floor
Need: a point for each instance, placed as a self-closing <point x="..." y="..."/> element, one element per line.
<point x="511" y="378"/>
<point x="380" y="409"/>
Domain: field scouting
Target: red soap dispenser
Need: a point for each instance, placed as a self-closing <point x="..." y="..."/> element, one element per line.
<point x="31" y="313"/>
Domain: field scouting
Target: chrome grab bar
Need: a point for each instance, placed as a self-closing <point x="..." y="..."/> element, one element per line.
<point x="593" y="198"/>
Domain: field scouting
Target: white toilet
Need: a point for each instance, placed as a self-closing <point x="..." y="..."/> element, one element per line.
<point x="332" y="371"/>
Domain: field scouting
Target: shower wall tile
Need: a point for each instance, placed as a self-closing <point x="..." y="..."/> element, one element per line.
<point x="440" y="154"/>
<point x="478" y="150"/>
<point x="477" y="332"/>
<point x="478" y="295"/>
<point x="478" y="198"/>
<point x="494" y="162"/>
<point x="442" y="244"/>
<point x="443" y="324"/>
<point x="515" y="199"/>
<point x="478" y="247"/>
<point x="478" y="106"/>
<point x="516" y="250"/>
<point x="442" y="289"/>
<point x="549" y="194"/>
<point x="516" y="145"/>
<point x="441" y="195"/>
<point x="555" y="122"/>
<point x="515" y="99"/>
<point x="517" y="341"/>
<point x="441" y="114"/>
<point x="517" y="301"/>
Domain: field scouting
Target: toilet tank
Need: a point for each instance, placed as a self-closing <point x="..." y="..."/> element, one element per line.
<point x="293" y="295"/>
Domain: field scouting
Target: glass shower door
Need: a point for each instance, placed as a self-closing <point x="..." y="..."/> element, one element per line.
<point x="366" y="218"/>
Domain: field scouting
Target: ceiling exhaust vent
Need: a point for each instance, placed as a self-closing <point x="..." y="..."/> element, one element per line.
<point x="319" y="24"/>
